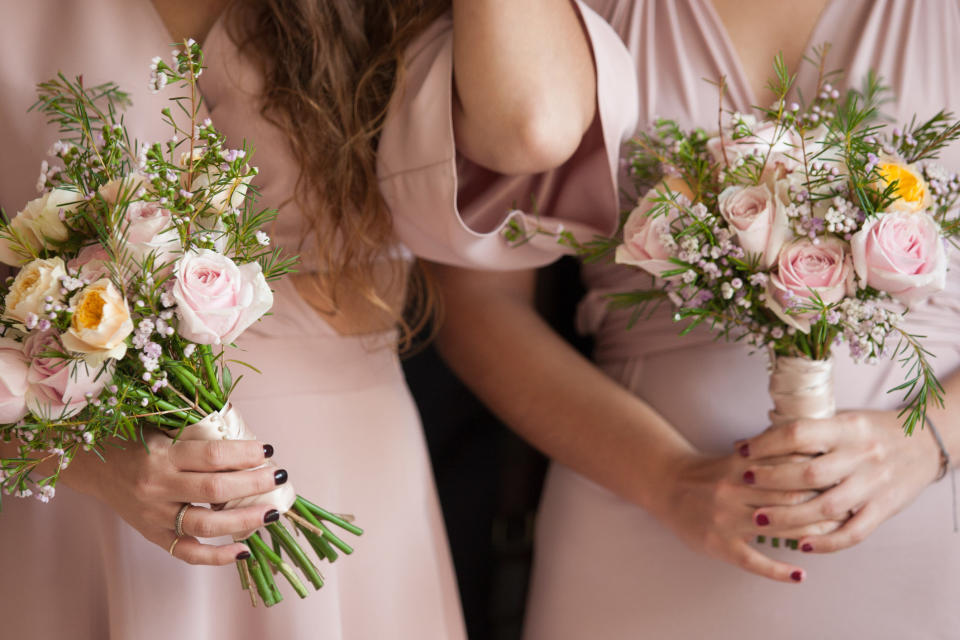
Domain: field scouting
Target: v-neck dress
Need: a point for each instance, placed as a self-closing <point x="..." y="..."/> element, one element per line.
<point x="605" y="568"/>
<point x="336" y="408"/>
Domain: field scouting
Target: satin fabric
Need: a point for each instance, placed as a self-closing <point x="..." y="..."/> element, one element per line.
<point x="605" y="567"/>
<point x="336" y="409"/>
<point x="448" y="209"/>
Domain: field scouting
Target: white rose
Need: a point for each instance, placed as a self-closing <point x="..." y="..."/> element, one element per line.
<point x="216" y="299"/>
<point x="36" y="281"/>
<point x="758" y="218"/>
<point x="38" y="223"/>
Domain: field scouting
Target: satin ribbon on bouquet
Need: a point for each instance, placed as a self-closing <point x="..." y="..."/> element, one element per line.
<point x="801" y="389"/>
<point x="228" y="424"/>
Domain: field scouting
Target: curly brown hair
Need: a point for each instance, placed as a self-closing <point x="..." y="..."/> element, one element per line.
<point x="330" y="68"/>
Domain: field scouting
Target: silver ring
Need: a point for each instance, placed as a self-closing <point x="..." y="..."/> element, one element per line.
<point x="178" y="527"/>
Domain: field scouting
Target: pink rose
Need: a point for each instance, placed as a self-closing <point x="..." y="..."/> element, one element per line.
<point x="758" y="218"/>
<point x="13" y="381"/>
<point x="647" y="242"/>
<point x="149" y="229"/>
<point x="902" y="254"/>
<point x="216" y="299"/>
<point x="58" y="387"/>
<point x="782" y="144"/>
<point x="805" y="269"/>
<point x="91" y="262"/>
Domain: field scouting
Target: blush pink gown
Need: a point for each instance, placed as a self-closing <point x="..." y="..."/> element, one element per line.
<point x="605" y="568"/>
<point x="336" y="408"/>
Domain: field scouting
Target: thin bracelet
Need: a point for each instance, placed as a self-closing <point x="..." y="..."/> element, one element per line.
<point x="944" y="467"/>
<point x="944" y="455"/>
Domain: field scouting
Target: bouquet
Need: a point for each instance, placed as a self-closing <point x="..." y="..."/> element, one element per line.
<point x="795" y="229"/>
<point x="137" y="266"/>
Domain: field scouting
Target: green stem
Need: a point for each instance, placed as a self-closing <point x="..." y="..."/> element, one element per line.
<point x="162" y="421"/>
<point x="326" y="515"/>
<point x="185" y="413"/>
<point x="296" y="553"/>
<point x="244" y="584"/>
<point x="340" y="544"/>
<point x="281" y="566"/>
<point x="275" y="594"/>
<point x="206" y="355"/>
<point x="194" y="388"/>
<point x="173" y="396"/>
<point x="256" y="572"/>
<point x="320" y="546"/>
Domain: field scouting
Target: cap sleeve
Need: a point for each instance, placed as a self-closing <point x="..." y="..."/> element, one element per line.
<point x="448" y="209"/>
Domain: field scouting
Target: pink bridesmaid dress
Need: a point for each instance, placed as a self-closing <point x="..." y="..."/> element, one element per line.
<point x="336" y="408"/>
<point x="604" y="567"/>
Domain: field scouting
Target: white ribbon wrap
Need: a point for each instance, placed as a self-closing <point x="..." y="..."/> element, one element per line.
<point x="228" y="424"/>
<point x="801" y="388"/>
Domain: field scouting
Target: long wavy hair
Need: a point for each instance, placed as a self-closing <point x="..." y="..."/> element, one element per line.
<point x="330" y="68"/>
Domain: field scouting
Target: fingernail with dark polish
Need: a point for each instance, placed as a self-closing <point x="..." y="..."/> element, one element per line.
<point x="280" y="476"/>
<point x="271" y="516"/>
<point x="748" y="477"/>
<point x="268" y="451"/>
<point x="762" y="519"/>
<point x="744" y="450"/>
<point x="807" y="547"/>
<point x="796" y="576"/>
<point x="243" y="555"/>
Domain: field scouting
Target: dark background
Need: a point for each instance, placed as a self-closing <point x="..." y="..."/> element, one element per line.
<point x="488" y="479"/>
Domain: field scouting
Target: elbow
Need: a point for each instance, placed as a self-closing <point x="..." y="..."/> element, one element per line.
<point x="531" y="140"/>
<point x="542" y="142"/>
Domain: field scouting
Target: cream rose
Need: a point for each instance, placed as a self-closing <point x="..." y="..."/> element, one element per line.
<point x="14" y="367"/>
<point x="230" y="196"/>
<point x="783" y="145"/>
<point x="912" y="191"/>
<point x="58" y="387"/>
<point x="805" y="269"/>
<point x="36" y="225"/>
<point x="127" y="185"/>
<point x="100" y="323"/>
<point x="216" y="299"/>
<point x="758" y="218"/>
<point x="901" y="254"/>
<point x="35" y="282"/>
<point x="647" y="242"/>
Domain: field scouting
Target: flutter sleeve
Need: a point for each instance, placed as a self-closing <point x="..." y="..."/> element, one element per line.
<point x="448" y="209"/>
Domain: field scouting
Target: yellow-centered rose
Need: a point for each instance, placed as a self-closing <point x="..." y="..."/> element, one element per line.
<point x="32" y="286"/>
<point x="100" y="324"/>
<point x="912" y="191"/>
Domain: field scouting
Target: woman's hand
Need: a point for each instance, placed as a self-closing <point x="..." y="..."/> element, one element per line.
<point x="148" y="489"/>
<point x="867" y="469"/>
<point x="708" y="505"/>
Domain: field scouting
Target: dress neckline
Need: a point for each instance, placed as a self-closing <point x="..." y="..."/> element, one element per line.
<point x="736" y="64"/>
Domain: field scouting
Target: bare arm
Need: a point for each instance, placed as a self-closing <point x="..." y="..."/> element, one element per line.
<point x="525" y="83"/>
<point x="561" y="403"/>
